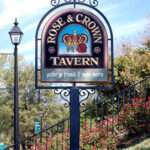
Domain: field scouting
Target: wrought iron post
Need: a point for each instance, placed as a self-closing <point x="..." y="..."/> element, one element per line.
<point x="74" y="119"/>
<point x="16" y="101"/>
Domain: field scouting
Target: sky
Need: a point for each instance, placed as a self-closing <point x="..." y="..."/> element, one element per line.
<point x="69" y="30"/>
<point x="129" y="20"/>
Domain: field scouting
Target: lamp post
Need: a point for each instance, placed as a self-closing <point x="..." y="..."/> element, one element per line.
<point x="15" y="36"/>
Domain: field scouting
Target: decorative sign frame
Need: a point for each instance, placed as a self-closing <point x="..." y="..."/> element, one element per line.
<point x="74" y="39"/>
<point x="74" y="47"/>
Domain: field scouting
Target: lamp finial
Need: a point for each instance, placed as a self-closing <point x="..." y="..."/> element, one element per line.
<point x="16" y="22"/>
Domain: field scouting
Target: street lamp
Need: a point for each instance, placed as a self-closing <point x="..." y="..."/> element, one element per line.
<point x="16" y="36"/>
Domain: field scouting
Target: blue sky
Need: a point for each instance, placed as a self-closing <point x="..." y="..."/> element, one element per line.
<point x="70" y="30"/>
<point x="128" y="18"/>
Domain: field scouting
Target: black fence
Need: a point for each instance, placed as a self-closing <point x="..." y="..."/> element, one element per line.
<point x="106" y="123"/>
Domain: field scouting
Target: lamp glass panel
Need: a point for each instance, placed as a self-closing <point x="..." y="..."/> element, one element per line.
<point x="15" y="38"/>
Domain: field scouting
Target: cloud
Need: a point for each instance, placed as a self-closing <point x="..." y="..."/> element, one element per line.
<point x="27" y="47"/>
<point x="23" y="8"/>
<point x="29" y="58"/>
<point x="26" y="50"/>
<point x="27" y="10"/>
<point x="109" y="7"/>
<point x="23" y="49"/>
<point x="14" y="8"/>
<point x="30" y="27"/>
<point x="131" y="28"/>
<point x="6" y="50"/>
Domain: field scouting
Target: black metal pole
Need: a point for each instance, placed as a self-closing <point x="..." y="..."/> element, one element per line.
<point x="39" y="96"/>
<point x="74" y="119"/>
<point x="41" y="134"/>
<point x="16" y="101"/>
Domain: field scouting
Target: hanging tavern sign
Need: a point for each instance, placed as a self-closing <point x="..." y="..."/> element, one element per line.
<point x="74" y="48"/>
<point x="74" y="45"/>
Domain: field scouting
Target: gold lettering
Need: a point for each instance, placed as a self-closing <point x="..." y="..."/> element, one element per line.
<point x="56" y="26"/>
<point x="54" y="30"/>
<point x="54" y="60"/>
<point x="69" y="61"/>
<point x="98" y="39"/>
<point x="51" y="40"/>
<point x="60" y="22"/>
<point x="52" y="36"/>
<point x="79" y="18"/>
<point x="92" y="25"/>
<point x="86" y="61"/>
<point x="95" y="61"/>
<point x="62" y="62"/>
<point x="97" y="35"/>
<point x="77" y="61"/>
<point x="86" y="20"/>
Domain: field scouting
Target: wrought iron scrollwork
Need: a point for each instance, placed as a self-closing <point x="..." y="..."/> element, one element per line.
<point x="81" y="1"/>
<point x="55" y="2"/>
<point x="82" y="104"/>
<point x="68" y="1"/>
<point x="64" y="94"/>
<point x="75" y="1"/>
<point x="94" y="3"/>
<point x="84" y="94"/>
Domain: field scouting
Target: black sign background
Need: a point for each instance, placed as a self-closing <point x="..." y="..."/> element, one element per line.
<point x="102" y="55"/>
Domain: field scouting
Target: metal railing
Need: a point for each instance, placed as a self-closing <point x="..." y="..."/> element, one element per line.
<point x="108" y="117"/>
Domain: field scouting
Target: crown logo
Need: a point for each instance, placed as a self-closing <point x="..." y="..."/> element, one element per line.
<point x="75" y="42"/>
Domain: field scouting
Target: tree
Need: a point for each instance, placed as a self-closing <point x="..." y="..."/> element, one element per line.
<point x="133" y="66"/>
<point x="30" y="103"/>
